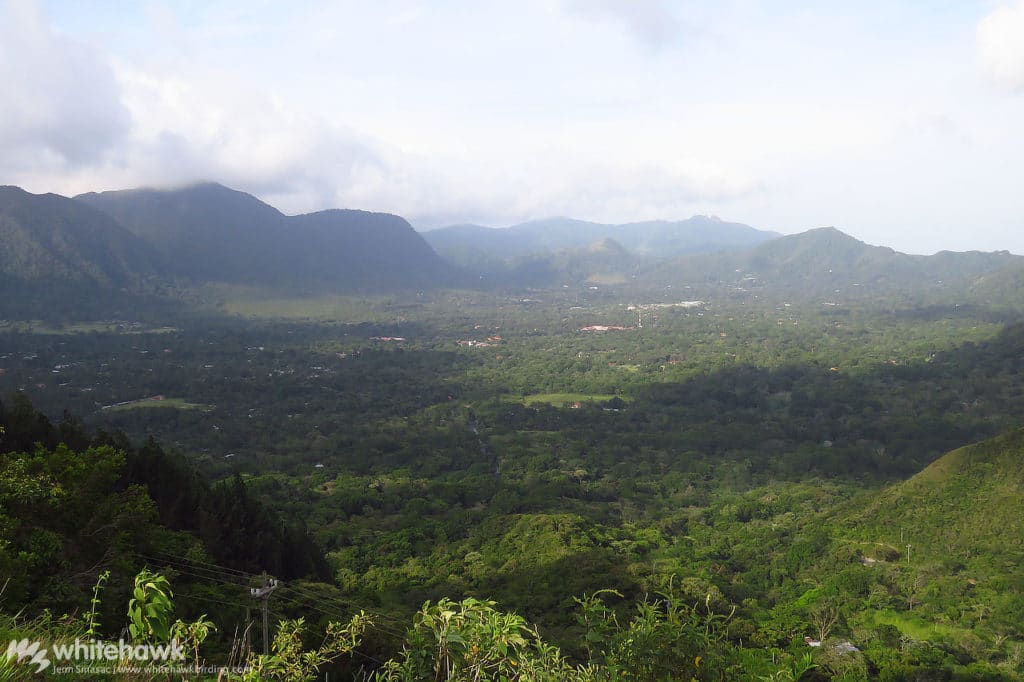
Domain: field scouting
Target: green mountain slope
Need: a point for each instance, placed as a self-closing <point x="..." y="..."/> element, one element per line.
<point x="967" y="504"/>
<point x="605" y="262"/>
<point x="364" y="250"/>
<point x="826" y="262"/>
<point x="1004" y="286"/>
<point x="209" y="232"/>
<point x="48" y="240"/>
<point x="205" y="231"/>
<point x="936" y="561"/>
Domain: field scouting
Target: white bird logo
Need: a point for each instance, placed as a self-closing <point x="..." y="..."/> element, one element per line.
<point x="24" y="649"/>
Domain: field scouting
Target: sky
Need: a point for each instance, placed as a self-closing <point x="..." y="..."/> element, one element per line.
<point x="899" y="122"/>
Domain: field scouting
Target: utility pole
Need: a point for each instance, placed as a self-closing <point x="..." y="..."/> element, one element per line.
<point x="908" y="552"/>
<point x="263" y="594"/>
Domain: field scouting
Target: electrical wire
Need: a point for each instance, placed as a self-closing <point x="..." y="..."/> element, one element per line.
<point x="220" y="575"/>
<point x="342" y="616"/>
<point x="215" y="569"/>
<point x="354" y="652"/>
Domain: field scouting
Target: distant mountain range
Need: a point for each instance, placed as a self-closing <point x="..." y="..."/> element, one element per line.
<point x="567" y="251"/>
<point x="709" y="257"/>
<point x="139" y="240"/>
<point x="827" y="263"/>
<point x="466" y="244"/>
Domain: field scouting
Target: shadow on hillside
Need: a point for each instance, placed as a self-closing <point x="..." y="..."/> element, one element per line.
<point x="888" y="421"/>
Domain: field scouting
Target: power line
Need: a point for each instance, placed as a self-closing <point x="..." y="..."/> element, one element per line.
<point x="303" y="592"/>
<point x="232" y="576"/>
<point x="222" y="569"/>
<point x="309" y="594"/>
<point x="219" y="579"/>
<point x="343" y="617"/>
<point x="354" y="652"/>
<point x="228" y="577"/>
<point x="221" y="572"/>
<point x="211" y="599"/>
<point x="345" y="610"/>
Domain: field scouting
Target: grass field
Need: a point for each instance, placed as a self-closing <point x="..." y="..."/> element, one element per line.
<point x="563" y="399"/>
<point x="918" y="628"/>
<point x="40" y="327"/>
<point x="323" y="308"/>
<point x="176" y="403"/>
<point x="256" y="303"/>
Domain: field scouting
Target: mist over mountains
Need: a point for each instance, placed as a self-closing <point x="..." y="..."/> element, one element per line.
<point x="658" y="238"/>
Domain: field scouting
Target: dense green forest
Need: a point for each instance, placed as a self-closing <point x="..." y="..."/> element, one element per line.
<point x="688" y="494"/>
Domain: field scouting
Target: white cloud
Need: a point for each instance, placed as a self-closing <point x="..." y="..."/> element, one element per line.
<point x="197" y="121"/>
<point x="563" y="181"/>
<point x="652" y="22"/>
<point x="207" y="125"/>
<point x="785" y="119"/>
<point x="60" y="105"/>
<point x="1000" y="41"/>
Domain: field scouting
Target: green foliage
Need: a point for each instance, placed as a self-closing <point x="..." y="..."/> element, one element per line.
<point x="793" y="672"/>
<point x="471" y="640"/>
<point x="62" y="511"/>
<point x="289" y="662"/>
<point x="192" y="635"/>
<point x="150" y="609"/>
<point x="43" y="628"/>
<point x="91" y="617"/>
<point x="666" y="639"/>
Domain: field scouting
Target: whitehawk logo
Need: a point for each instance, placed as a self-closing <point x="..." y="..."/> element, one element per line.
<point x="20" y="651"/>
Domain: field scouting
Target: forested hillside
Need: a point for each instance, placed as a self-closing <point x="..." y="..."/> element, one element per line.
<point x="58" y="257"/>
<point x="959" y="523"/>
<point x="210" y="233"/>
<point x="827" y="264"/>
<point x="49" y="238"/>
<point x="73" y="501"/>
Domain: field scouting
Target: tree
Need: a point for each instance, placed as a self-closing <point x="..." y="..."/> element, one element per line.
<point x="824" y="617"/>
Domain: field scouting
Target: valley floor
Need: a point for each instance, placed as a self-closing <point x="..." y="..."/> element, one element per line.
<point x="777" y="469"/>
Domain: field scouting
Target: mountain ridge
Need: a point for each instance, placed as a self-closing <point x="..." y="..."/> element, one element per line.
<point x="965" y="504"/>
<point x="826" y="262"/>
<point x="207" y="232"/>
<point x="48" y="239"/>
<point x="214" y="233"/>
<point x="653" y="238"/>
